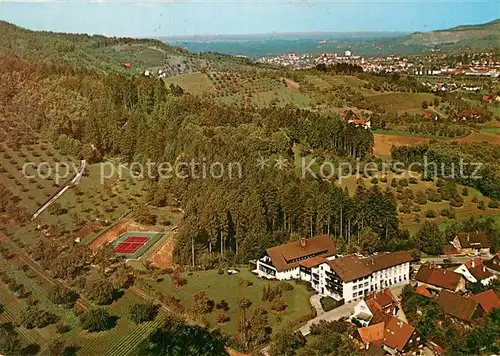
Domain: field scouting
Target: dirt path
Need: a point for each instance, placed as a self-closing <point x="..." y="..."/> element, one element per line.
<point x="74" y="181"/>
<point x="164" y="257"/>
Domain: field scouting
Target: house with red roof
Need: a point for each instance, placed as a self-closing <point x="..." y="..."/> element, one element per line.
<point x="394" y="335"/>
<point x="475" y="271"/>
<point x="383" y="301"/>
<point x="438" y="278"/>
<point x="494" y="263"/>
<point x="458" y="306"/>
<point x="488" y="300"/>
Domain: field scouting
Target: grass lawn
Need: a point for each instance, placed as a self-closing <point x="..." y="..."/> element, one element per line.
<point x="397" y="102"/>
<point x="232" y="289"/>
<point x="194" y="83"/>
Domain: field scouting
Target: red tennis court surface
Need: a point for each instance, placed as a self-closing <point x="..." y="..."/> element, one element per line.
<point x="131" y="244"/>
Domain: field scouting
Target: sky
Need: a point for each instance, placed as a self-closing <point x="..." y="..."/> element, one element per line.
<point x="156" y="18"/>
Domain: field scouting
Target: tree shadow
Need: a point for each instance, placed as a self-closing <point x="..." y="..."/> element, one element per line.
<point x="71" y="350"/>
<point x="31" y="349"/>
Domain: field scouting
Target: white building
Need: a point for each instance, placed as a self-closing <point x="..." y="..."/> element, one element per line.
<point x="348" y="277"/>
<point x="283" y="262"/>
<point x="475" y="271"/>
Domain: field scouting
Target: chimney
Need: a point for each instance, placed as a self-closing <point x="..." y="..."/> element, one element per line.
<point x="303" y="242"/>
<point x="473" y="263"/>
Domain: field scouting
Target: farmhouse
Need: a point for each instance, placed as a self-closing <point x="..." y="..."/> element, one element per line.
<point x="457" y="306"/>
<point x="438" y="278"/>
<point x="472" y="242"/>
<point x="283" y="262"/>
<point x="475" y="271"/>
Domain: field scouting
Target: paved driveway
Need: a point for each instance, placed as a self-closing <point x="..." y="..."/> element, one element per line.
<point x="341" y="312"/>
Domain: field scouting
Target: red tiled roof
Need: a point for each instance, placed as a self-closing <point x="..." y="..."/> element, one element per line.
<point x="313" y="262"/>
<point x="475" y="261"/>
<point x="488" y="300"/>
<point x="349" y="268"/>
<point x="480" y="272"/>
<point x="494" y="263"/>
<point x="422" y="290"/>
<point x="478" y="239"/>
<point x="372" y="333"/>
<point x="387" y="260"/>
<point x="456" y="305"/>
<point x="380" y="317"/>
<point x="439" y="277"/>
<point x="380" y="300"/>
<point x="397" y="334"/>
<point x="289" y="255"/>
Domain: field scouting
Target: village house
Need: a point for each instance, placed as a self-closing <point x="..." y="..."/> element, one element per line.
<point x="394" y="335"/>
<point x="494" y="263"/>
<point x="437" y="278"/>
<point x="488" y="300"/>
<point x="475" y="271"/>
<point x="283" y="262"/>
<point x="472" y="242"/>
<point x="459" y="307"/>
<point x="374" y="303"/>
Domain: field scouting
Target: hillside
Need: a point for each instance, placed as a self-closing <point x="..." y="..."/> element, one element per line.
<point x="96" y="52"/>
<point x="470" y="36"/>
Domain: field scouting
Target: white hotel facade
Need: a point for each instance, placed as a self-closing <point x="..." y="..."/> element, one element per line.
<point x="340" y="277"/>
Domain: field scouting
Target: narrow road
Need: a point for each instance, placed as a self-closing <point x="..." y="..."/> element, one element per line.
<point x="74" y="181"/>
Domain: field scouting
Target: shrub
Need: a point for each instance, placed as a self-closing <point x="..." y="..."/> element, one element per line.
<point x="430" y="214"/>
<point x="34" y="317"/>
<point x="222" y="318"/>
<point x="421" y="198"/>
<point x="62" y="296"/>
<point x="448" y="213"/>
<point x="374" y="180"/>
<point x="278" y="304"/>
<point x="62" y="328"/>
<point x="433" y="195"/>
<point x="97" y="320"/>
<point x="222" y="305"/>
<point x="465" y="192"/>
<point x="493" y="204"/>
<point x="413" y="180"/>
<point x="403" y="182"/>
<point x="141" y="313"/>
<point x="201" y="303"/>
<point x="329" y="303"/>
<point x="481" y="205"/>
